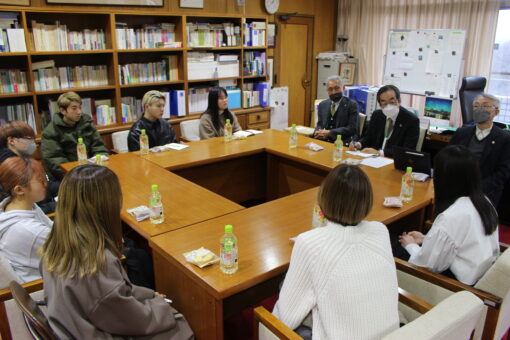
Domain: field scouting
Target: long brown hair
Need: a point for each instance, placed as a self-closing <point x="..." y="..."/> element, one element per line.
<point x="87" y="222"/>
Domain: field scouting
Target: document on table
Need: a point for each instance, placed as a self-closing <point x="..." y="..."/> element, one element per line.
<point x="360" y="154"/>
<point x="378" y="162"/>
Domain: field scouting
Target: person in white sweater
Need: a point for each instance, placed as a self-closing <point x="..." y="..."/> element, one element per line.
<point x="343" y="273"/>
<point x="464" y="236"/>
<point x="23" y="225"/>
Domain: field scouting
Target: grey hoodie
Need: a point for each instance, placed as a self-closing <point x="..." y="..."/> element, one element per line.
<point x="22" y="233"/>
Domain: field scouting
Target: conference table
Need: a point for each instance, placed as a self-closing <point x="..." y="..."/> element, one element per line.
<point x="260" y="186"/>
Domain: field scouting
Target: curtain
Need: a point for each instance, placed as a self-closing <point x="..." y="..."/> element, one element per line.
<point x="366" y="24"/>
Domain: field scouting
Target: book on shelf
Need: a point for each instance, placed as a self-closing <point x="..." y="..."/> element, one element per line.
<point x="198" y="98"/>
<point x="12" y="36"/>
<point x="205" y="65"/>
<point x="255" y="34"/>
<point x="172" y="66"/>
<point x="255" y="94"/>
<point x="159" y="71"/>
<point x="13" y="81"/>
<point x="88" y="106"/>
<point x="49" y="77"/>
<point x="174" y="106"/>
<point x="131" y="109"/>
<point x="148" y="36"/>
<point x="23" y="112"/>
<point x="254" y="63"/>
<point x="58" y="37"/>
<point x="226" y="34"/>
<point x="105" y="113"/>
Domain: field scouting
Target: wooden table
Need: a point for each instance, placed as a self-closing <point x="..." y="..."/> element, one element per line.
<point x="184" y="202"/>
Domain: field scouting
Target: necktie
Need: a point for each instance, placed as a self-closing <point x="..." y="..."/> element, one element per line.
<point x="332" y="111"/>
<point x="389" y="128"/>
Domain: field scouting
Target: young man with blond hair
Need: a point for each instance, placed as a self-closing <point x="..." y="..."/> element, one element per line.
<point x="60" y="137"/>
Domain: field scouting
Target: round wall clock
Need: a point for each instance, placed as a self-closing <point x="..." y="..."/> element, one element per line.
<point x="272" y="6"/>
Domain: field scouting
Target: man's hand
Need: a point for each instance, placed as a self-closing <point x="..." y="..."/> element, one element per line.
<point x="417" y="236"/>
<point x="370" y="150"/>
<point x="322" y="134"/>
<point x="354" y="146"/>
<point x="406" y="239"/>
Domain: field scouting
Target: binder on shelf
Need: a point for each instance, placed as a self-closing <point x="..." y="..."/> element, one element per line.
<point x="263" y="89"/>
<point x="177" y="103"/>
<point x="234" y="99"/>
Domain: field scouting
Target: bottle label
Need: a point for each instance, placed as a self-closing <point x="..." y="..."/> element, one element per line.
<point x="228" y="254"/>
<point x="156" y="210"/>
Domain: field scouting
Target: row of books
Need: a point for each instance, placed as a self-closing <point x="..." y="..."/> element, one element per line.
<point x="13" y="81"/>
<point x="23" y="112"/>
<point x="213" y="35"/>
<point x="174" y="106"/>
<point x="12" y="40"/>
<point x="198" y="98"/>
<point x="101" y="111"/>
<point x="58" y="38"/>
<point x="255" y="94"/>
<point x="255" y="33"/>
<point x="164" y="70"/>
<point x="56" y="78"/>
<point x="149" y="36"/>
<point x="204" y="65"/>
<point x="254" y="64"/>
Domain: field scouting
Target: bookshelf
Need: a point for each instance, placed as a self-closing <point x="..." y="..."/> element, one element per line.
<point x="92" y="52"/>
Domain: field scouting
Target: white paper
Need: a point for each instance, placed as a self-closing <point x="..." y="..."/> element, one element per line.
<point x="434" y="62"/>
<point x="255" y="132"/>
<point x="377" y="162"/>
<point x="177" y="146"/>
<point x="360" y="154"/>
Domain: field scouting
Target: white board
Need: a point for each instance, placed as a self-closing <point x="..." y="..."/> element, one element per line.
<point x="426" y="62"/>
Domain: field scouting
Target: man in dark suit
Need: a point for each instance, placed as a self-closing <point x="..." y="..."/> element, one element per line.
<point x="489" y="143"/>
<point x="337" y="115"/>
<point x="390" y="126"/>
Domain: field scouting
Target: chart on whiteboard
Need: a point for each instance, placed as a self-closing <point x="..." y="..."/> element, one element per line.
<point x="427" y="61"/>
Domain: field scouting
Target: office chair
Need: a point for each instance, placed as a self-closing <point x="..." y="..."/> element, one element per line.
<point x="470" y="88"/>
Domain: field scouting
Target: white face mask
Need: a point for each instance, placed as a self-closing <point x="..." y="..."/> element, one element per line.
<point x="391" y="111"/>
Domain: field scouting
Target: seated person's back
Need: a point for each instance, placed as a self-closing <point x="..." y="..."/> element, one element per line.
<point x="212" y="121"/>
<point x="337" y="115"/>
<point x="158" y="130"/>
<point x="23" y="225"/>
<point x="343" y="273"/>
<point x="464" y="235"/>
<point x="392" y="125"/>
<point x="60" y="137"/>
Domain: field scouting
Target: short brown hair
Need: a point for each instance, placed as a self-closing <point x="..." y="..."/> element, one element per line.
<point x="345" y="195"/>
<point x="67" y="98"/>
<point x="20" y="171"/>
<point x="16" y="129"/>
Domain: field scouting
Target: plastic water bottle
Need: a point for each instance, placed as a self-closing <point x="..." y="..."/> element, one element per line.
<point x="156" y="206"/>
<point x="228" y="251"/>
<point x="228" y="131"/>
<point x="339" y="149"/>
<point x="99" y="160"/>
<point x="144" y="143"/>
<point x="293" y="137"/>
<point x="317" y="217"/>
<point x="81" y="151"/>
<point x="406" y="192"/>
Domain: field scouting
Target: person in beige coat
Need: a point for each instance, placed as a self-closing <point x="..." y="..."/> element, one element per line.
<point x="87" y="291"/>
<point x="212" y="121"/>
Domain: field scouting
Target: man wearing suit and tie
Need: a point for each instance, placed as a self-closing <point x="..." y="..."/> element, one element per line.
<point x="390" y="126"/>
<point x="489" y="143"/>
<point x="338" y="115"/>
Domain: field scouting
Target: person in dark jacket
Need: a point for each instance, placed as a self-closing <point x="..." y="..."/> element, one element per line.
<point x="158" y="130"/>
<point x="390" y="126"/>
<point x="60" y="137"/>
<point x="490" y="145"/>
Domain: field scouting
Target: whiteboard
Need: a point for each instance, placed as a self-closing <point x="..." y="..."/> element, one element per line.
<point x="426" y="61"/>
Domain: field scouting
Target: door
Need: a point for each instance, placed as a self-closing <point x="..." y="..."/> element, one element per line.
<point x="294" y="48"/>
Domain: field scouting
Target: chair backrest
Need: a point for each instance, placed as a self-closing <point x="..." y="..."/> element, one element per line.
<point x="361" y="120"/>
<point x="268" y="327"/>
<point x="36" y="321"/>
<point x="190" y="129"/>
<point x="470" y="88"/>
<point x="119" y="140"/>
<point x="497" y="282"/>
<point x="454" y="318"/>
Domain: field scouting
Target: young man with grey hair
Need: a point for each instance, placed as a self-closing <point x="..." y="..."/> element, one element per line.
<point x="337" y="115"/>
<point x="489" y="143"/>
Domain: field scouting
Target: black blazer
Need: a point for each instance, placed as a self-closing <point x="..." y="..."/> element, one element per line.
<point x="346" y="119"/>
<point x="406" y="132"/>
<point x="494" y="161"/>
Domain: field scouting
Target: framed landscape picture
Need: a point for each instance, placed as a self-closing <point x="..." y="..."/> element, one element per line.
<point x="152" y="3"/>
<point x="15" y="2"/>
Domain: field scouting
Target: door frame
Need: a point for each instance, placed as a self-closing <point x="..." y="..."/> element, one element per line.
<point x="297" y="19"/>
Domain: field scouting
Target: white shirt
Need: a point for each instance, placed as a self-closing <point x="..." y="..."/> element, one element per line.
<point x="346" y="277"/>
<point x="481" y="134"/>
<point x="457" y="241"/>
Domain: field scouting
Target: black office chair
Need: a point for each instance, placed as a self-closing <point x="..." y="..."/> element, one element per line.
<point x="470" y="88"/>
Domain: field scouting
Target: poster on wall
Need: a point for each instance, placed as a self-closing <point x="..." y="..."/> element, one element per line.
<point x="151" y="3"/>
<point x="15" y="2"/>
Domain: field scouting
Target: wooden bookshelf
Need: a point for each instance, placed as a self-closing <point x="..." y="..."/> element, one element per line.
<point x="107" y="21"/>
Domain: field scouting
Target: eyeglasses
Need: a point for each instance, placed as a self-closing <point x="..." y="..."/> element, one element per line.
<point x="485" y="107"/>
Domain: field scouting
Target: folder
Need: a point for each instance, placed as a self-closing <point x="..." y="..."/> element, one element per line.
<point x="234" y="99"/>
<point x="177" y="103"/>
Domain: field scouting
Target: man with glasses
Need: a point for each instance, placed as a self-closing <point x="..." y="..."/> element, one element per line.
<point x="337" y="115"/>
<point x="489" y="143"/>
<point x="60" y="137"/>
<point x="390" y="126"/>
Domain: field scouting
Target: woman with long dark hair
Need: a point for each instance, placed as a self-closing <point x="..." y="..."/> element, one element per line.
<point x="212" y="121"/>
<point x="464" y="236"/>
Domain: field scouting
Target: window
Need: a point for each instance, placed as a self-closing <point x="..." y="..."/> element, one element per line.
<point x="499" y="82"/>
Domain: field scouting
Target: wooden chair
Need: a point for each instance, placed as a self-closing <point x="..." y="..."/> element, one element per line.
<point x="493" y="289"/>
<point x="454" y="318"/>
<point x="35" y="319"/>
